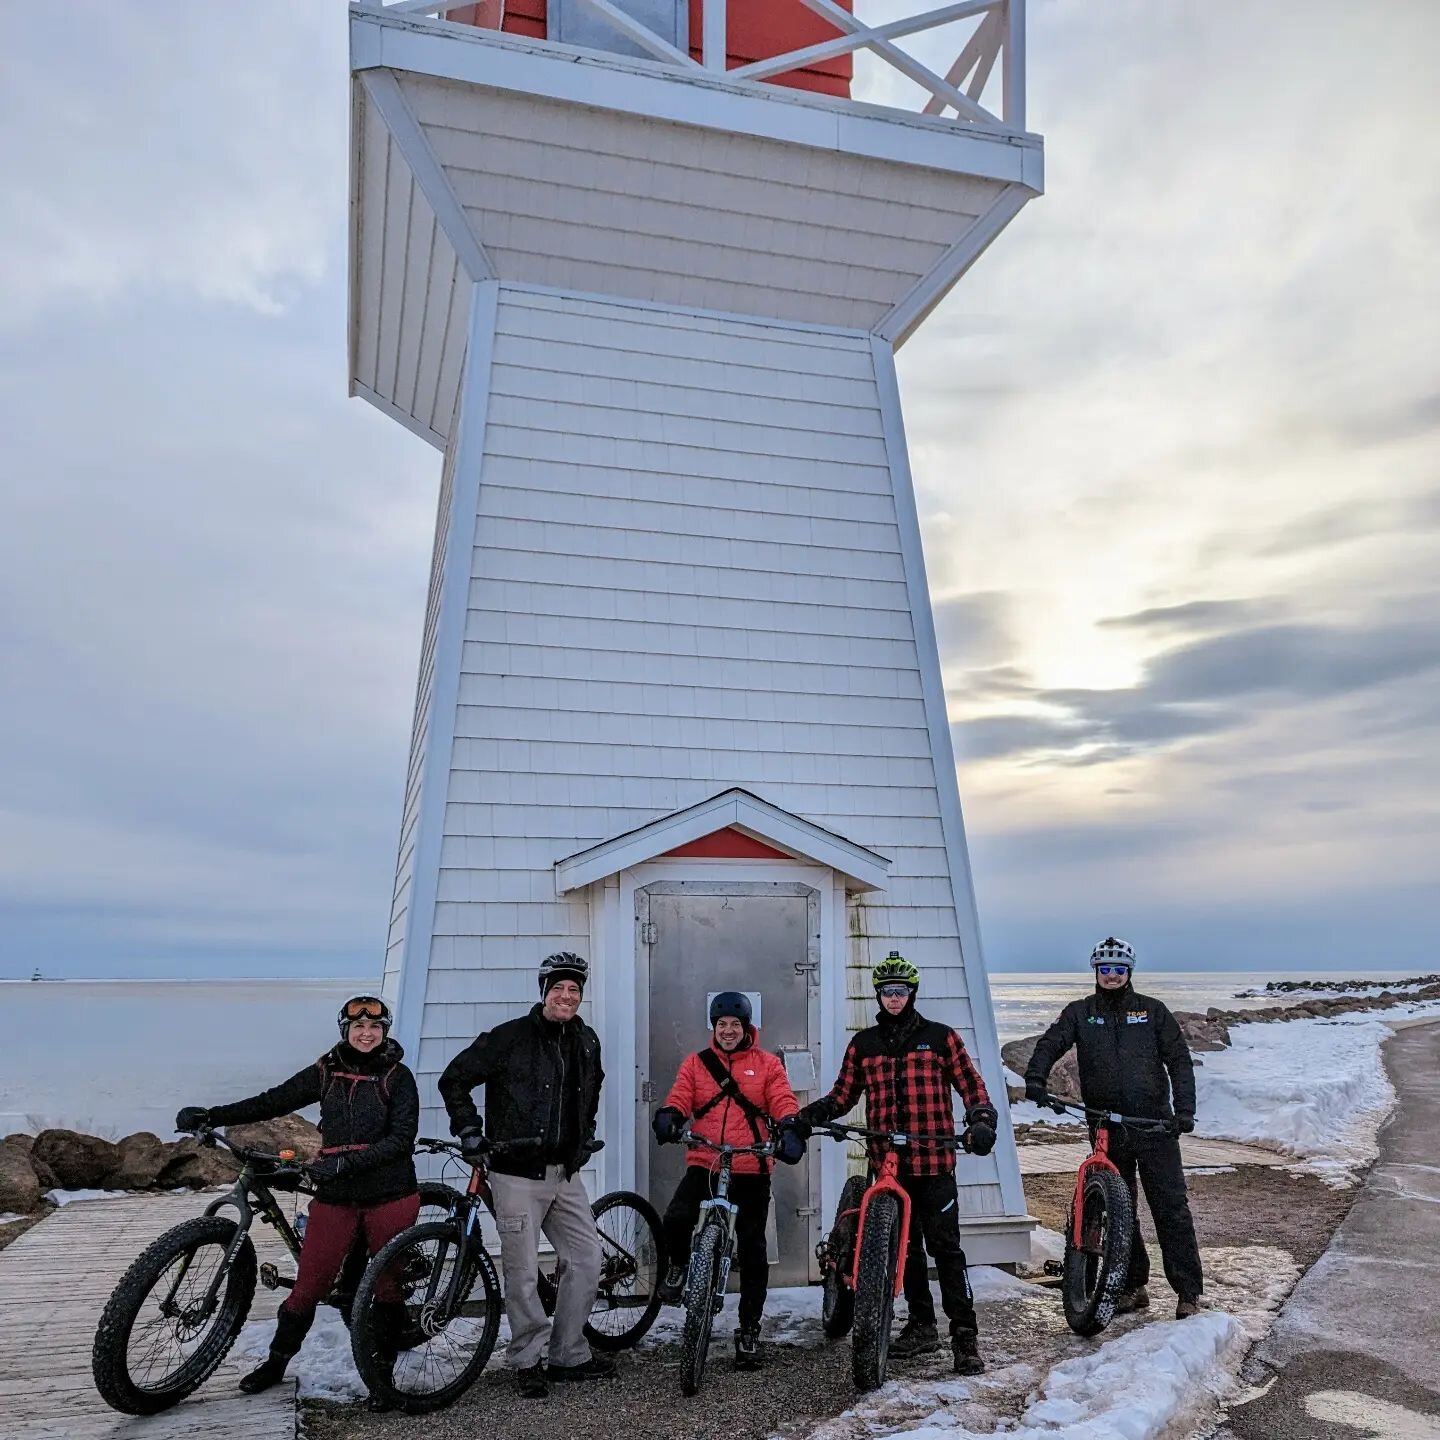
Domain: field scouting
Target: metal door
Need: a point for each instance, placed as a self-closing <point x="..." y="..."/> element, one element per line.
<point x="699" y="937"/>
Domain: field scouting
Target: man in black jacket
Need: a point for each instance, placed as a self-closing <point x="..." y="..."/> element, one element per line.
<point x="542" y="1078"/>
<point x="1132" y="1057"/>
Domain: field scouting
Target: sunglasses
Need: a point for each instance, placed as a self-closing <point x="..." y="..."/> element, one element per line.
<point x="893" y="992"/>
<point x="366" y="1007"/>
<point x="1112" y="969"/>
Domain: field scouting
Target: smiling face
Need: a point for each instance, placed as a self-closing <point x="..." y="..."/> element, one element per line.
<point x="562" y="1000"/>
<point x="364" y="1034"/>
<point x="729" y="1032"/>
<point x="1112" y="977"/>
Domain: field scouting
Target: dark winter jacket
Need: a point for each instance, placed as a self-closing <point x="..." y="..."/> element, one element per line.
<point x="905" y="1066"/>
<point x="369" y="1112"/>
<point x="1130" y="1051"/>
<point x="540" y="1078"/>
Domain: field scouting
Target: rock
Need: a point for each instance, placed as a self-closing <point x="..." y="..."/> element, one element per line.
<point x="142" y="1157"/>
<point x="289" y="1132"/>
<point x="20" y="1140"/>
<point x="1064" y="1078"/>
<point x="1201" y="1032"/>
<point x="78" y="1162"/>
<point x="196" y="1165"/>
<point x="19" y="1189"/>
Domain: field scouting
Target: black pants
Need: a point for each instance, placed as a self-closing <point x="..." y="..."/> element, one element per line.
<point x="1156" y="1159"/>
<point x="935" y="1226"/>
<point x="751" y="1193"/>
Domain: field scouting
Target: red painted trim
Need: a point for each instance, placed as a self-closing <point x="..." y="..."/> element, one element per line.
<point x="726" y="844"/>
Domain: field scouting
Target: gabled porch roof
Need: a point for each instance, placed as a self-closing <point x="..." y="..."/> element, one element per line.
<point x="801" y="839"/>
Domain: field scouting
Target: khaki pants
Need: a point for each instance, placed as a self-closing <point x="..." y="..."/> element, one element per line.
<point x="560" y="1209"/>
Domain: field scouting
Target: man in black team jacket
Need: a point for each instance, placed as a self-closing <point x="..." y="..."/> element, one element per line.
<point x="542" y="1078"/>
<point x="1132" y="1057"/>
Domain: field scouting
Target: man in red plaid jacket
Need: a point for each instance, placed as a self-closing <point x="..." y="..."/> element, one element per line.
<point x="906" y="1066"/>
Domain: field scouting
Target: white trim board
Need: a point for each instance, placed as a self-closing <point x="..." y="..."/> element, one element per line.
<point x="361" y="391"/>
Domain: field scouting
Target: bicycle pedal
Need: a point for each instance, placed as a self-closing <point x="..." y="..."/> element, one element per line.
<point x="269" y="1276"/>
<point x="1054" y="1267"/>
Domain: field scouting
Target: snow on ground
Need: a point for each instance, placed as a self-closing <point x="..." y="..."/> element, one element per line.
<point x="323" y="1368"/>
<point x="69" y="1197"/>
<point x="10" y="1217"/>
<point x="1314" y="1088"/>
<point x="1029" y="1113"/>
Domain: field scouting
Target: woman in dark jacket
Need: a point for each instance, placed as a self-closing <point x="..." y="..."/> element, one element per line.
<point x="364" y="1175"/>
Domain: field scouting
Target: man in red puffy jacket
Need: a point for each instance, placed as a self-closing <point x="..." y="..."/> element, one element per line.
<point x="732" y="1093"/>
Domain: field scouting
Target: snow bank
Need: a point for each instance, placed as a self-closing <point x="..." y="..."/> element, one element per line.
<point x="69" y="1197"/>
<point x="10" y="1217"/>
<point x="1314" y="1088"/>
<point x="323" y="1369"/>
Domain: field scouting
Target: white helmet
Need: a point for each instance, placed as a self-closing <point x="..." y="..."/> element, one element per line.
<point x="1111" y="951"/>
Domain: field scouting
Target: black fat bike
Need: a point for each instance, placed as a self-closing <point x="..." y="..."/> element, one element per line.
<point x="177" y="1310"/>
<point x="440" y="1271"/>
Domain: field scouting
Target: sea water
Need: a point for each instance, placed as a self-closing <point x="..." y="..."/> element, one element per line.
<point x="111" y="1057"/>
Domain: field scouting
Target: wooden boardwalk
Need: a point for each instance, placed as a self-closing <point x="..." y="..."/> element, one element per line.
<point x="55" y="1280"/>
<point x="1197" y="1153"/>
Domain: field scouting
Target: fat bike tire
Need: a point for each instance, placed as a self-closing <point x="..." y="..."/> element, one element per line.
<point x="699" y="1308"/>
<point x="133" y="1394"/>
<point x="1094" y="1271"/>
<point x="875" y="1292"/>
<point x="837" y="1308"/>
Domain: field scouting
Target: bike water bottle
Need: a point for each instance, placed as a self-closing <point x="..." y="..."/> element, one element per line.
<point x="301" y="1221"/>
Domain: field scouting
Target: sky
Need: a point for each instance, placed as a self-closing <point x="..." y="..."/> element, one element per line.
<point x="1174" y="441"/>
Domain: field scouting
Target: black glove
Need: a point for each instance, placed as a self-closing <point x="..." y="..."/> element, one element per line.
<point x="472" y="1140"/>
<point x="815" y="1114"/>
<point x="789" y="1142"/>
<point x="979" y="1135"/>
<point x="1184" y="1123"/>
<point x="192" y="1117"/>
<point x="1035" y="1090"/>
<point x="668" y="1125"/>
<point x="328" y="1167"/>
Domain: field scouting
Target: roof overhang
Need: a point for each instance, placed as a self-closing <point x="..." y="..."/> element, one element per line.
<point x="801" y="839"/>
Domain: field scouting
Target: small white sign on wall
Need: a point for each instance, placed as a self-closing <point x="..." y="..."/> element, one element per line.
<point x="753" y="996"/>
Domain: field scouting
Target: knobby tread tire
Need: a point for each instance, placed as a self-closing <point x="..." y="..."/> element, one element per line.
<point x="1092" y="1284"/>
<point x="875" y="1292"/>
<point x="699" y="1307"/>
<point x="109" y="1355"/>
<point x="378" y="1379"/>
<point x="645" y="1317"/>
<point x="837" y="1311"/>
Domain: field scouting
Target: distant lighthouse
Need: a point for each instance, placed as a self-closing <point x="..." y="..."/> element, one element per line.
<point x="638" y="269"/>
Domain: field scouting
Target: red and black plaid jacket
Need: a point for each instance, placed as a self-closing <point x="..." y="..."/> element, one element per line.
<point x="906" y="1076"/>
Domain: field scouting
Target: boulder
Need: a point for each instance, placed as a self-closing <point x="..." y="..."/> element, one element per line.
<point x="142" y="1157"/>
<point x="1202" y="1032"/>
<point x="78" y="1162"/>
<point x="1064" y="1078"/>
<point x="196" y="1165"/>
<point x="19" y="1189"/>
<point x="20" y="1140"/>
<point x="289" y="1132"/>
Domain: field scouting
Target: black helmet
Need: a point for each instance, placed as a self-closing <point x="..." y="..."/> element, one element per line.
<point x="563" y="965"/>
<point x="364" y="1007"/>
<point x="733" y="1004"/>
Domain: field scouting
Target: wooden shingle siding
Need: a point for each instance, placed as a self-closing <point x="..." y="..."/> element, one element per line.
<point x="589" y="200"/>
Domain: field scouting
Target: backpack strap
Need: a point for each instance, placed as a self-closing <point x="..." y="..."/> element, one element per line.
<point x="729" y="1090"/>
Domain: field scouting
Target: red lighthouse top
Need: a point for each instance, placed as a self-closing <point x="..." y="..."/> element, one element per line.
<point x="756" y="30"/>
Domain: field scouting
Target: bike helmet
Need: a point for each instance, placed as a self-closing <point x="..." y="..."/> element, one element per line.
<point x="563" y="965"/>
<point x="364" y="1007"/>
<point x="1111" y="951"/>
<point x="895" y="969"/>
<point x="733" y="1004"/>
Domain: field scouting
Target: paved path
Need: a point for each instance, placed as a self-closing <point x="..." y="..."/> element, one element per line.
<point x="1063" y="1157"/>
<point x="1356" y="1350"/>
<point x="54" y="1281"/>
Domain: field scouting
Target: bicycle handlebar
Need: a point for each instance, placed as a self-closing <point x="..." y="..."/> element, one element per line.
<point x="764" y="1148"/>
<point x="209" y="1135"/>
<point x="838" y="1130"/>
<point x="432" y="1146"/>
<point x="1138" y="1122"/>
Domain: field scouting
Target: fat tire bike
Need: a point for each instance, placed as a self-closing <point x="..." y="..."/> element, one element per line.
<point x="862" y="1259"/>
<point x="712" y="1252"/>
<point x="1100" y="1226"/>
<point x="428" y="1359"/>
<point x="177" y="1310"/>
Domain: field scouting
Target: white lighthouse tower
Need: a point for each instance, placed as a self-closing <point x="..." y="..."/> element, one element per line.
<point x="638" y="269"/>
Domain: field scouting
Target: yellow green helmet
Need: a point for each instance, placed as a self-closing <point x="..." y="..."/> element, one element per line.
<point x="895" y="969"/>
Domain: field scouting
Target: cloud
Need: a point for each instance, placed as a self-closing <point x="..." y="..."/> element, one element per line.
<point x="1193" y="615"/>
<point x="974" y="630"/>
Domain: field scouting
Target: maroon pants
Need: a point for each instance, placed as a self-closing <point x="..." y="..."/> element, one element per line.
<point x="329" y="1234"/>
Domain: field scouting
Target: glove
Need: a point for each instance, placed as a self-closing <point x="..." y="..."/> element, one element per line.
<point x="1035" y="1090"/>
<point x="668" y="1125"/>
<point x="979" y="1137"/>
<point x="472" y="1141"/>
<point x="192" y="1117"/>
<point x="789" y="1142"/>
<point x="815" y="1114"/>
<point x="328" y="1167"/>
<point x="1184" y="1123"/>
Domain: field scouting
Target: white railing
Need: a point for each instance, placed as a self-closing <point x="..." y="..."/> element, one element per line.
<point x="998" y="37"/>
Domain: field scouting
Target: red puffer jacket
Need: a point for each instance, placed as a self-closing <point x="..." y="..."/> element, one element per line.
<point x="759" y="1076"/>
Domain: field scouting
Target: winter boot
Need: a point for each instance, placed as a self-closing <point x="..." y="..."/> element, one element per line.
<point x="387" y="1320"/>
<point x="919" y="1337"/>
<point x="967" y="1354"/>
<point x="289" y="1336"/>
<point x="748" y="1355"/>
<point x="672" y="1285"/>
<point x="1136" y="1299"/>
<point x="531" y="1382"/>
<point x="1189" y="1305"/>
<point x="597" y="1367"/>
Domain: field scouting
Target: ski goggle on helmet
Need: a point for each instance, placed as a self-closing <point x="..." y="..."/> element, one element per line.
<point x="1111" y="956"/>
<point x="364" y="1007"/>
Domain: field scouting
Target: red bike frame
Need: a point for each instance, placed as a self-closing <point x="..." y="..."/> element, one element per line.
<point x="1098" y="1159"/>
<point x="884" y="1182"/>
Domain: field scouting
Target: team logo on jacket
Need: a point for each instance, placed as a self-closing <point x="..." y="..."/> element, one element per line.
<point x="924" y="1046"/>
<point x="1137" y="1017"/>
<point x="1095" y="1019"/>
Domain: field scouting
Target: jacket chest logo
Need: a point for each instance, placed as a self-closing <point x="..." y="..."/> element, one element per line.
<point x="1137" y="1017"/>
<point x="924" y="1046"/>
<point x="1094" y="1019"/>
